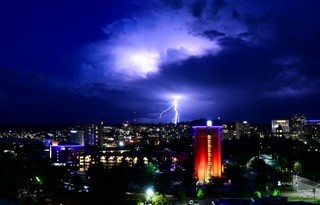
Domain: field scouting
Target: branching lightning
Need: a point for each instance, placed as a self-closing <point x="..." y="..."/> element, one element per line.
<point x="174" y="106"/>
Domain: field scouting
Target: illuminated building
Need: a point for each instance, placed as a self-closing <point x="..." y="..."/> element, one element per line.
<point x="311" y="130"/>
<point x="298" y="122"/>
<point x="93" y="134"/>
<point x="76" y="137"/>
<point x="207" y="151"/>
<point x="228" y="131"/>
<point x="66" y="155"/>
<point x="242" y="129"/>
<point x="284" y="124"/>
<point x="279" y="131"/>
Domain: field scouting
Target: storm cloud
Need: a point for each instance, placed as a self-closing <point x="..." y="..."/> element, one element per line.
<point x="128" y="60"/>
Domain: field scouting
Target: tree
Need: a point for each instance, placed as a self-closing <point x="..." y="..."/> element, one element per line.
<point x="239" y="183"/>
<point x="215" y="187"/>
<point x="200" y="193"/>
<point x="262" y="175"/>
<point x="257" y="194"/>
<point x="297" y="167"/>
<point x="151" y="171"/>
<point x="11" y="177"/>
<point x="179" y="193"/>
<point x="276" y="192"/>
<point x="159" y="199"/>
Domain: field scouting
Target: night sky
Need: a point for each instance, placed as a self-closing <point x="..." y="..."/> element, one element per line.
<point x="89" y="60"/>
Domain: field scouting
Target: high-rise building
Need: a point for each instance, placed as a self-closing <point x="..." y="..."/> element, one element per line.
<point x="207" y="151"/>
<point x="242" y="129"/>
<point x="311" y="130"/>
<point x="93" y="134"/>
<point x="76" y="137"/>
<point x="297" y="124"/>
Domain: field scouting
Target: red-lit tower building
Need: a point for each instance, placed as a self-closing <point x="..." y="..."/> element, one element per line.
<point x="207" y="151"/>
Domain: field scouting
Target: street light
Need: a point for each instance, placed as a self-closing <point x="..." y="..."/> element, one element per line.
<point x="149" y="195"/>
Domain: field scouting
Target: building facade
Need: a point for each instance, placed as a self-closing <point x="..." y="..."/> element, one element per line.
<point x="311" y="130"/>
<point x="284" y="124"/>
<point x="242" y="129"/>
<point x="76" y="137"/>
<point x="93" y="134"/>
<point x="297" y="125"/>
<point x="207" y="152"/>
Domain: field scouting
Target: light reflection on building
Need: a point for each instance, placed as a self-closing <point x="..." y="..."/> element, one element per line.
<point x="81" y="158"/>
<point x="207" y="152"/>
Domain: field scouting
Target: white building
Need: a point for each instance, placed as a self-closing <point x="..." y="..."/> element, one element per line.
<point x="284" y="124"/>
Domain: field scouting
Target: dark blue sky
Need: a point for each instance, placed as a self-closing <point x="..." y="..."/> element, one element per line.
<point x="86" y="61"/>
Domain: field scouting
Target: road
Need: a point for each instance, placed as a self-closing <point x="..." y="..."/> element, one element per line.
<point x="306" y="187"/>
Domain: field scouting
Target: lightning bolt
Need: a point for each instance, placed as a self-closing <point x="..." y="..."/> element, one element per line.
<point x="174" y="106"/>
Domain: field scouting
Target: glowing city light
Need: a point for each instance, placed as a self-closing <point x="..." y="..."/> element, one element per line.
<point x="174" y="106"/>
<point x="149" y="192"/>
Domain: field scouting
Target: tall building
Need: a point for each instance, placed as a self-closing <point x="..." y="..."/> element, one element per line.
<point x="207" y="151"/>
<point x="93" y="134"/>
<point x="76" y="137"/>
<point x="297" y="124"/>
<point x="311" y="130"/>
<point x="242" y="128"/>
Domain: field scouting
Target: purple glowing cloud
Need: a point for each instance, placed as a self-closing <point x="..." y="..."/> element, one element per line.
<point x="137" y="47"/>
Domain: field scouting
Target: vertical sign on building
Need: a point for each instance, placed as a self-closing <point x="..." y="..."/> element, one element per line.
<point x="207" y="152"/>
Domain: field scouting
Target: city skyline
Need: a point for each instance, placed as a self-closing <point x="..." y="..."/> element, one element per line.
<point x="79" y="62"/>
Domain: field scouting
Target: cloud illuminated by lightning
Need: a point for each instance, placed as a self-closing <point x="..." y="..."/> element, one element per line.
<point x="137" y="47"/>
<point x="174" y="106"/>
